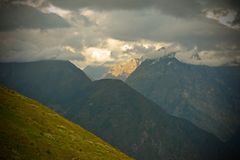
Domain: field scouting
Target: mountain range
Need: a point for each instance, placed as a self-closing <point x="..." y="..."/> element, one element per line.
<point x="132" y="123"/>
<point x="209" y="97"/>
<point x="113" y="111"/>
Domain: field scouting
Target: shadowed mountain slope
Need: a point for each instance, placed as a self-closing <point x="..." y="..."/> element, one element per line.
<point x="52" y="83"/>
<point x="28" y="130"/>
<point x="209" y="97"/>
<point x="135" y="125"/>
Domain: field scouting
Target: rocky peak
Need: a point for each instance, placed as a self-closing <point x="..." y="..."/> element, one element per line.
<point x="125" y="68"/>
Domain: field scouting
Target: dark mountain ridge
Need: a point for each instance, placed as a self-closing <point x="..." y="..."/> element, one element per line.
<point x="135" y="125"/>
<point x="45" y="81"/>
<point x="207" y="96"/>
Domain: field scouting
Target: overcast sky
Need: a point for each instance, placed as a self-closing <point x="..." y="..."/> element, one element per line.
<point x="96" y="32"/>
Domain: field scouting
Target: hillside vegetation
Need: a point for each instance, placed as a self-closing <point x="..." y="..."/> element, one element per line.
<point x="28" y="130"/>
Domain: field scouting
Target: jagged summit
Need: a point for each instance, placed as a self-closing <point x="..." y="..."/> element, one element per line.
<point x="123" y="70"/>
<point x="117" y="71"/>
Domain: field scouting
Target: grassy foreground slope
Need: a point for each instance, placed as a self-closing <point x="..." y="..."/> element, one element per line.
<point x="28" y="130"/>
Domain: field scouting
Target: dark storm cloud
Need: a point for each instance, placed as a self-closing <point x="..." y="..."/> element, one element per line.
<point x="233" y="3"/>
<point x="152" y="25"/>
<point x="179" y="8"/>
<point x="182" y="8"/>
<point x="22" y="16"/>
<point x="237" y="19"/>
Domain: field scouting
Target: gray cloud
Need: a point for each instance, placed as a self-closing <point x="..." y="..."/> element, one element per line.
<point x="236" y="21"/>
<point x="137" y="23"/>
<point x="183" y="7"/>
<point x="22" y="16"/>
<point x="152" y="25"/>
<point x="178" y="8"/>
<point x="34" y="44"/>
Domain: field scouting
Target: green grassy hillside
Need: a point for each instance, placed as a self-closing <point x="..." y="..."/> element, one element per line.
<point x="28" y="130"/>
